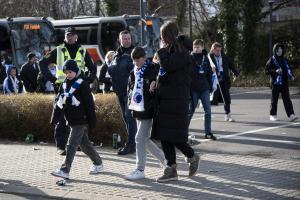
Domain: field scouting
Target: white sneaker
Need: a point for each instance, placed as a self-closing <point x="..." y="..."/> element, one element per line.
<point x="96" y="169"/>
<point x="273" y="118"/>
<point x="293" y="117"/>
<point x="60" y="173"/>
<point x="136" y="175"/>
<point x="228" y="118"/>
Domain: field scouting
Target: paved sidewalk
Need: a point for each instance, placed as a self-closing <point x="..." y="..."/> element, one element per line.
<point x="25" y="170"/>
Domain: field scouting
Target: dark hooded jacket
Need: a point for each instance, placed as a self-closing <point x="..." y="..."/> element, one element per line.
<point x="201" y="81"/>
<point x="150" y="74"/>
<point x="119" y="70"/>
<point x="271" y="68"/>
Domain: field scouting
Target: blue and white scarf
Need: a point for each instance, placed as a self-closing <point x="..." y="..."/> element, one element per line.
<point x="137" y="98"/>
<point x="69" y="94"/>
<point x="278" y="80"/>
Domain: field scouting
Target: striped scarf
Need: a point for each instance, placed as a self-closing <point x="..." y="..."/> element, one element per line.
<point x="69" y="94"/>
<point x="278" y="80"/>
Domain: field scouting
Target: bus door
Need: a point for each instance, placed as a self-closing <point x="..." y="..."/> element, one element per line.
<point x="109" y="30"/>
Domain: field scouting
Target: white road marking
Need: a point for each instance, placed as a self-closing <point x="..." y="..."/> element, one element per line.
<point x="266" y="140"/>
<point x="250" y="92"/>
<point x="258" y="130"/>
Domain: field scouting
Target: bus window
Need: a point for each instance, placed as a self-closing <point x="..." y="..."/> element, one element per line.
<point x="92" y="38"/>
<point x="5" y="46"/>
<point x="109" y="35"/>
<point x="30" y="37"/>
<point x="82" y="36"/>
<point x="59" y="36"/>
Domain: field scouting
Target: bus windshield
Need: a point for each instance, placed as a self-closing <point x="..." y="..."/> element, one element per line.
<point x="30" y="37"/>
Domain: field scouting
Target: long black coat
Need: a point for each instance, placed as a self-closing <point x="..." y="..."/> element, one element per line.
<point x="171" y="122"/>
<point x="228" y="67"/>
<point x="29" y="76"/>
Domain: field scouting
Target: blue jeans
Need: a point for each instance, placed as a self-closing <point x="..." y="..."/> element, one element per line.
<point x="204" y="96"/>
<point x="129" y="121"/>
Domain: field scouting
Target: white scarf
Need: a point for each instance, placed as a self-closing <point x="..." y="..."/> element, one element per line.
<point x="137" y="98"/>
<point x="15" y="83"/>
<point x="63" y="97"/>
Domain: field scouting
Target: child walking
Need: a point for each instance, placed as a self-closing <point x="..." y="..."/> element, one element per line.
<point x="76" y="102"/>
<point x="201" y="85"/>
<point x="141" y="103"/>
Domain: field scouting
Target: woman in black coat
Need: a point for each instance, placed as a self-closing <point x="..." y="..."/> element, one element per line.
<point x="173" y="99"/>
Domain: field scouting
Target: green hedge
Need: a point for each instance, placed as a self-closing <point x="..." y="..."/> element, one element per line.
<point x="30" y="113"/>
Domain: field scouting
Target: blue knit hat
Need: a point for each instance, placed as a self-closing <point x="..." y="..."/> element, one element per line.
<point x="71" y="65"/>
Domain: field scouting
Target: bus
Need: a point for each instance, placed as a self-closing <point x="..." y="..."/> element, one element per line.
<point x="100" y="34"/>
<point x="21" y="35"/>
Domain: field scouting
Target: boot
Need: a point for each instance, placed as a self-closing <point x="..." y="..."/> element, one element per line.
<point x="170" y="174"/>
<point x="194" y="164"/>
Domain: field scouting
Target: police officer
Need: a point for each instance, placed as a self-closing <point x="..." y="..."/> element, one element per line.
<point x="69" y="49"/>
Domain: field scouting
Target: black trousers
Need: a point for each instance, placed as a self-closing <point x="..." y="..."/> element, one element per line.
<point x="170" y="152"/>
<point x="223" y="95"/>
<point x="285" y="94"/>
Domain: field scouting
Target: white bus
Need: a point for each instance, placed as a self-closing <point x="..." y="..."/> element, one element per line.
<point x="100" y="34"/>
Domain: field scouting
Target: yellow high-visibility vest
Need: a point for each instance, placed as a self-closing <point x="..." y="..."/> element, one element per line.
<point x="63" y="55"/>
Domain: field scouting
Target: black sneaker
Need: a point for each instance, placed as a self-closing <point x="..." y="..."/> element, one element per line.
<point x="126" y="150"/>
<point x="210" y="136"/>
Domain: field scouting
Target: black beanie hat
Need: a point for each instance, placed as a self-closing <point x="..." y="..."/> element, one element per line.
<point x="30" y="55"/>
<point x="71" y="65"/>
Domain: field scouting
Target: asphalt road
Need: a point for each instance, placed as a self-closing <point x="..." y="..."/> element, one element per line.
<point x="252" y="133"/>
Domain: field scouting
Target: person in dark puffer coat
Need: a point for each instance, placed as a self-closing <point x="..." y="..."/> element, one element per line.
<point x="171" y="123"/>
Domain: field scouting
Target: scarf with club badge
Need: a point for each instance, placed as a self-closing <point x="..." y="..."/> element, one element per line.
<point x="137" y="98"/>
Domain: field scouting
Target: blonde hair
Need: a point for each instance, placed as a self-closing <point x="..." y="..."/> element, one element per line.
<point x="108" y="55"/>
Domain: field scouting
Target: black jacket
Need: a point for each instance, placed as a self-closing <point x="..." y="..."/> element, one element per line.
<point x="76" y="115"/>
<point x="29" y="76"/>
<point x="119" y="70"/>
<point x="72" y="49"/>
<point x="228" y="67"/>
<point x="171" y="122"/>
<point x="271" y="68"/>
<point x="150" y="74"/>
<point x="201" y="81"/>
<point x="103" y="79"/>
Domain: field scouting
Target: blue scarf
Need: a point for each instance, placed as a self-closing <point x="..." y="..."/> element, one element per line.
<point x="278" y="80"/>
<point x="69" y="94"/>
<point x="137" y="98"/>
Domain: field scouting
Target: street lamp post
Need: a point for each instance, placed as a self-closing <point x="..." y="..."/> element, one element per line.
<point x="142" y="13"/>
<point x="270" y="34"/>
